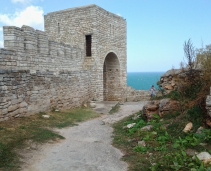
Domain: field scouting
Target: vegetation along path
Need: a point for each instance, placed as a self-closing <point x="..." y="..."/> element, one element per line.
<point x="86" y="146"/>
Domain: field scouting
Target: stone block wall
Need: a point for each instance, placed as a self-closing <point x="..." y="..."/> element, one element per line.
<point x="24" y="93"/>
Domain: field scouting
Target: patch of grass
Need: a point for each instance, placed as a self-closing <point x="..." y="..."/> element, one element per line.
<point x="174" y="95"/>
<point x="14" y="133"/>
<point x="6" y="158"/>
<point x="65" y="124"/>
<point x="42" y="135"/>
<point x="115" y="109"/>
<point x="195" y="115"/>
<point x="171" y="115"/>
<point x="166" y="143"/>
<point x="70" y="118"/>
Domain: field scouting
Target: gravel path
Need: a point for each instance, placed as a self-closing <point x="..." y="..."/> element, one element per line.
<point x="86" y="147"/>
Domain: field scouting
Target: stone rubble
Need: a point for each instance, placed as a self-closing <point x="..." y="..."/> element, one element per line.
<point x="147" y="128"/>
<point x="204" y="156"/>
<point x="199" y="130"/>
<point x="46" y="116"/>
<point x="130" y="125"/>
<point x="188" y="127"/>
<point x="142" y="143"/>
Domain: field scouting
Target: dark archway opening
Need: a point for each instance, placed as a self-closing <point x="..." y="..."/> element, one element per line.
<point x="111" y="78"/>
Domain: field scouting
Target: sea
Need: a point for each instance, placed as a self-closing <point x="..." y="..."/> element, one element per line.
<point x="143" y="80"/>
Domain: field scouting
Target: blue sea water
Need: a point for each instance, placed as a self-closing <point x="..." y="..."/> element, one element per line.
<point x="143" y="80"/>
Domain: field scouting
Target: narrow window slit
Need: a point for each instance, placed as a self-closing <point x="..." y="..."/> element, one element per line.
<point x="58" y="28"/>
<point x="24" y="44"/>
<point x="88" y="45"/>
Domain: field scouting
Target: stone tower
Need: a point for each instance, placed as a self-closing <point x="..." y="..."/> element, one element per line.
<point x="102" y="37"/>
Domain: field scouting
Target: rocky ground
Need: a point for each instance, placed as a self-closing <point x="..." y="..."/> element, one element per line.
<point x="86" y="147"/>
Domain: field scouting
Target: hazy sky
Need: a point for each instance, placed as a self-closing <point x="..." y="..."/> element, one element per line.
<point x="156" y="29"/>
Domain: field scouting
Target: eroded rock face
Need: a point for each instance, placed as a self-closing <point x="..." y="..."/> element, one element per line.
<point x="167" y="105"/>
<point x="161" y="108"/>
<point x="150" y="109"/>
<point x="169" y="80"/>
<point x="173" y="78"/>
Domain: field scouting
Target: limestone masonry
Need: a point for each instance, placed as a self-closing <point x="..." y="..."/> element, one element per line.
<point x="80" y="56"/>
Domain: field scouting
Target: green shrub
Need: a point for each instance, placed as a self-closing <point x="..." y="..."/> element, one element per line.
<point x="174" y="95"/>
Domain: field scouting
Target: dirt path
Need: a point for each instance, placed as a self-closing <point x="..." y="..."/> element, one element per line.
<point x="87" y="147"/>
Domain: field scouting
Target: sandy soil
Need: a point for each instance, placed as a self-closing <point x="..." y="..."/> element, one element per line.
<point x="86" y="147"/>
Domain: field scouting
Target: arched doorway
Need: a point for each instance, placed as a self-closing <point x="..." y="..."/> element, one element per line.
<point x="111" y="78"/>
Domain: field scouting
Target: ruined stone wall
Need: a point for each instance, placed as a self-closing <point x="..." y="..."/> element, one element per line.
<point x="37" y="74"/>
<point x="44" y="70"/>
<point x="24" y="93"/>
<point x="26" y="48"/>
<point x="132" y="95"/>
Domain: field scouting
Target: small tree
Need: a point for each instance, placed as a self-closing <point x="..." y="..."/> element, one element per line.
<point x="190" y="56"/>
<point x="190" y="85"/>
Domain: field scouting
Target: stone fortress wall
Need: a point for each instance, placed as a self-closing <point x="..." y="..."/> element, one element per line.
<point x="44" y="70"/>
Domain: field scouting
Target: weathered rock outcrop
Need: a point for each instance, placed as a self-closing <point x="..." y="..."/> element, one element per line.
<point x="173" y="78"/>
<point x="161" y="108"/>
<point x="168" y="106"/>
<point x="169" y="80"/>
<point x="150" y="109"/>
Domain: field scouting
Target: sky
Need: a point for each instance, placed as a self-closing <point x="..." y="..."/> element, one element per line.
<point x="156" y="29"/>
